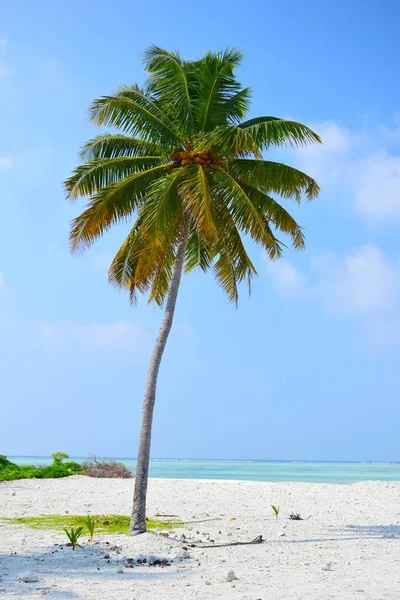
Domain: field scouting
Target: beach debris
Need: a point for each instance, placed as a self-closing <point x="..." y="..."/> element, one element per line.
<point x="93" y="467"/>
<point x="295" y="516"/>
<point x="208" y="582"/>
<point x="106" y="555"/>
<point x="233" y="518"/>
<point x="327" y="566"/>
<point x="149" y="560"/>
<point x="28" y="577"/>
<point x="230" y="576"/>
<point x="164" y="534"/>
<point x="281" y="534"/>
<point x="258" y="540"/>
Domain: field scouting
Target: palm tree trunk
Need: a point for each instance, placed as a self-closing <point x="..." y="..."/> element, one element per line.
<point x="138" y="519"/>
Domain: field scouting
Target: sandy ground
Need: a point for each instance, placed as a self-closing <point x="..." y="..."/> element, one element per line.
<point x="355" y="527"/>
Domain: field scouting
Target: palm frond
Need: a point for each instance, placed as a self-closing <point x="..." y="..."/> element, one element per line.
<point x="111" y="205"/>
<point x="228" y="141"/>
<point x="225" y="274"/>
<point x="247" y="216"/>
<point x="274" y="213"/>
<point x="198" y="200"/>
<point x="275" y="177"/>
<point x="163" y="204"/>
<point x="230" y="241"/>
<point x="114" y="145"/>
<point x="89" y="178"/>
<point x="218" y="96"/>
<point x="272" y="131"/>
<point x="134" y="113"/>
<point x="200" y="251"/>
<point x="168" y="84"/>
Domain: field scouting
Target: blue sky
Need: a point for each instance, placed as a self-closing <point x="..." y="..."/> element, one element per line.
<point x="305" y="369"/>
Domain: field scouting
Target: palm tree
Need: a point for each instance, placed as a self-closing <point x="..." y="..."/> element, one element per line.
<point x="189" y="170"/>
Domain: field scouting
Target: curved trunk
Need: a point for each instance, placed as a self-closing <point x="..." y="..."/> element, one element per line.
<point x="138" y="519"/>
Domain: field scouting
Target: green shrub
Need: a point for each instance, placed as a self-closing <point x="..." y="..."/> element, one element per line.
<point x="10" y="471"/>
<point x="58" y="457"/>
<point x="5" y="463"/>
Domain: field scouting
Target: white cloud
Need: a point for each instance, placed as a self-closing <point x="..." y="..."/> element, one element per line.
<point x="377" y="187"/>
<point x="285" y="277"/>
<point x="118" y="334"/>
<point x="6" y="163"/>
<point x="363" y="283"/>
<point x="361" y="164"/>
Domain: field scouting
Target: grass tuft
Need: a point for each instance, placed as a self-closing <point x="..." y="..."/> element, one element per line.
<point x="105" y="524"/>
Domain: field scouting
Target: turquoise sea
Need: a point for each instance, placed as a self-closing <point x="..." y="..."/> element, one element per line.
<point x="257" y="470"/>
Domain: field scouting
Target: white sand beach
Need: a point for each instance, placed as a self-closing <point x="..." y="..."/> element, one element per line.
<point x="353" y="530"/>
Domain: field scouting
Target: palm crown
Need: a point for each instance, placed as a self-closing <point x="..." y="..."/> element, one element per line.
<point x="185" y="160"/>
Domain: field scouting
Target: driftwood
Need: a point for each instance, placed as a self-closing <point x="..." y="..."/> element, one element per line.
<point x="257" y="540"/>
<point x="201" y="521"/>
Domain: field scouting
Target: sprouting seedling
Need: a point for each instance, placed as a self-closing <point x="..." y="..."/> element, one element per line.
<point x="90" y="524"/>
<point x="276" y="510"/>
<point x="73" y="536"/>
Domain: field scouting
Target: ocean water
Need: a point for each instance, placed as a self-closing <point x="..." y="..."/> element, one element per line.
<point x="257" y="470"/>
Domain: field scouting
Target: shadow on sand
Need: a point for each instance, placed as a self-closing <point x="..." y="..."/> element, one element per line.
<point x="54" y="565"/>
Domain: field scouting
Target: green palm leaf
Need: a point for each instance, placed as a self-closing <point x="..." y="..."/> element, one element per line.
<point x="272" y="131"/>
<point x="131" y="111"/>
<point x="220" y="96"/>
<point x="111" y="205"/>
<point x="114" y="145"/>
<point x="275" y="177"/>
<point x="91" y="177"/>
<point x="168" y="84"/>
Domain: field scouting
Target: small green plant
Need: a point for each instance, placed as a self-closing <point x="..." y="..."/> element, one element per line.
<point x="90" y="524"/>
<point x="58" y="457"/>
<point x="74" y="535"/>
<point x="276" y="510"/>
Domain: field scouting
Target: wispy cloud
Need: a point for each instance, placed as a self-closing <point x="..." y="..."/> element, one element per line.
<point x="6" y="162"/>
<point x="361" y="161"/>
<point x="363" y="283"/>
<point x="118" y="334"/>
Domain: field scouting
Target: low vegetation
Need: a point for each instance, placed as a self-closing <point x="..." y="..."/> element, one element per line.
<point x="104" y="524"/>
<point x="275" y="510"/>
<point x="94" y="467"/>
<point x="74" y="535"/>
<point x="58" y="468"/>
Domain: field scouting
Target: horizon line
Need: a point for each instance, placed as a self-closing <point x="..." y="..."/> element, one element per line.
<point x="297" y="460"/>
